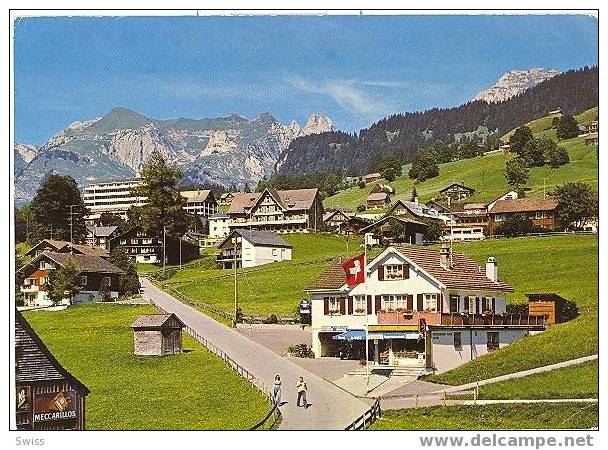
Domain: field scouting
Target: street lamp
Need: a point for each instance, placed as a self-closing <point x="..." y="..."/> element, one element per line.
<point x="235" y="241"/>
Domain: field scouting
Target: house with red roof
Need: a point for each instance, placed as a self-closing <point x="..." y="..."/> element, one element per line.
<point x="422" y="308"/>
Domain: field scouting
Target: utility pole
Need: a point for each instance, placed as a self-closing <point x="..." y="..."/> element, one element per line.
<point x="545" y="187"/>
<point x="234" y="248"/>
<point x="164" y="248"/>
<point x="180" y="253"/>
<point x="71" y="230"/>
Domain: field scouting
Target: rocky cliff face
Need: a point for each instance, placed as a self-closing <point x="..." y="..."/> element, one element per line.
<point x="515" y="82"/>
<point x="225" y="151"/>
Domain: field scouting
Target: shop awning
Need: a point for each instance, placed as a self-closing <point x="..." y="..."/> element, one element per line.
<point x="394" y="335"/>
<point x="351" y="335"/>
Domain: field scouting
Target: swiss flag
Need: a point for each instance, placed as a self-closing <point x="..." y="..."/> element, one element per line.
<point x="354" y="269"/>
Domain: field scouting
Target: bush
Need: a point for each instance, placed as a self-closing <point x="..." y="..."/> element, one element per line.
<point x="569" y="311"/>
<point x="515" y="225"/>
<point x="301" y="351"/>
<point x="517" y="308"/>
<point x="272" y="319"/>
<point x="361" y="184"/>
<point x="360" y="208"/>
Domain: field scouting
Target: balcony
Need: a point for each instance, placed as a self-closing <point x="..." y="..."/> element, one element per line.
<point x="228" y="256"/>
<point x="401" y="317"/>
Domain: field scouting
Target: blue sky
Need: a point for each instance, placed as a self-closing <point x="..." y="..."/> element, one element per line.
<point x="354" y="69"/>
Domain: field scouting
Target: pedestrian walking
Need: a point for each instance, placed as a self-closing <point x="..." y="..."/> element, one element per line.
<point x="276" y="391"/>
<point x="301" y="386"/>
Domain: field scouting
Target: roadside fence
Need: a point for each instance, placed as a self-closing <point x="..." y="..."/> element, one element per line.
<point x="367" y="418"/>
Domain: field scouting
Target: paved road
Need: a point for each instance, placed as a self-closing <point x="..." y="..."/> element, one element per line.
<point x="331" y="408"/>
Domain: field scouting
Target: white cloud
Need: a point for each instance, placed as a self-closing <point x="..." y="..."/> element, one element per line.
<point x="345" y="94"/>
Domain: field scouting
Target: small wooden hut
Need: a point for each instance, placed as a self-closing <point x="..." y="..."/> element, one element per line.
<point x="157" y="335"/>
<point x="550" y="305"/>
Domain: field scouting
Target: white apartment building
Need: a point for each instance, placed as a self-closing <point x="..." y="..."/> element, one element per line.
<point x="253" y="248"/>
<point x="200" y="202"/>
<point x="114" y="197"/>
<point x="218" y="226"/>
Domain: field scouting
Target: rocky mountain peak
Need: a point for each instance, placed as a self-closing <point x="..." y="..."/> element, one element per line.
<point x="515" y="82"/>
<point x="317" y="124"/>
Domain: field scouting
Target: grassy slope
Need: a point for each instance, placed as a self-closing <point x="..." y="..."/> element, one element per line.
<point x="579" y="381"/>
<point x="94" y="342"/>
<point x="270" y="289"/>
<point x="544" y="123"/>
<point x="486" y="175"/>
<point x="491" y="417"/>
<point x="567" y="265"/>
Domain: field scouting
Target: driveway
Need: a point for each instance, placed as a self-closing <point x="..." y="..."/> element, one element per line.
<point x="276" y="337"/>
<point x="331" y="408"/>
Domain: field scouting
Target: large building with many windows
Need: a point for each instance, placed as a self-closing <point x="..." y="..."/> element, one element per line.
<point x="201" y="202"/>
<point x="114" y="197"/>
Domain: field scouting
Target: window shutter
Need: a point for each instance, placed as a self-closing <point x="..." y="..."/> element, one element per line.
<point x="493" y="304"/>
<point x="378" y="303"/>
<point x="440" y="299"/>
<point x="406" y="271"/>
<point x="350" y="305"/>
<point x="467" y="305"/>
<point x="380" y="273"/>
<point x="343" y="305"/>
<point x="484" y="304"/>
<point x="326" y="305"/>
<point x="477" y="309"/>
<point x="369" y="304"/>
<point x="410" y="302"/>
<point x="419" y="302"/>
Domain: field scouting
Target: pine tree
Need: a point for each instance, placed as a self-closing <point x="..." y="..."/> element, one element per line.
<point x="567" y="127"/>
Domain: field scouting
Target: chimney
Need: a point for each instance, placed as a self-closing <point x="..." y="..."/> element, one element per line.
<point x="492" y="269"/>
<point x="416" y="200"/>
<point x="445" y="256"/>
<point x="449" y="200"/>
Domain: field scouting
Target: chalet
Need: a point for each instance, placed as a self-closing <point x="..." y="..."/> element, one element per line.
<point x="354" y="225"/>
<point x="333" y="220"/>
<point x="456" y="191"/>
<point x="218" y="226"/>
<point x="145" y="248"/>
<point x="48" y="396"/>
<point x="94" y="272"/>
<point x="289" y="211"/>
<point x="409" y="231"/>
<point x="593" y="127"/>
<point x="509" y="195"/>
<point x="592" y="139"/>
<point x="541" y="211"/>
<point x="423" y="308"/>
<point x="200" y="202"/>
<point x="382" y="188"/>
<point x="52" y="245"/>
<point x="468" y="222"/>
<point x="157" y="335"/>
<point x="226" y="198"/>
<point x="371" y="177"/>
<point x="415" y="210"/>
<point x="555" y="113"/>
<point x="378" y="200"/>
<point x="100" y="236"/>
<point x="250" y="248"/>
<point x="505" y="148"/>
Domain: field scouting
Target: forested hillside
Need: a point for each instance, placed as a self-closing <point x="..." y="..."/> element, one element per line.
<point x="572" y="92"/>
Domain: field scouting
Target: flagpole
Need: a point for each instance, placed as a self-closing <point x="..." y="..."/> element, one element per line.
<point x="366" y="311"/>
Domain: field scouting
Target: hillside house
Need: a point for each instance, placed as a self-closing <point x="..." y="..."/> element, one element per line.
<point x="593" y="127"/>
<point x="48" y="397"/>
<point x="249" y="248"/>
<point x="378" y="200"/>
<point x="592" y="139"/>
<point x="334" y="220"/>
<point x="100" y="236"/>
<point x="93" y="271"/>
<point x="371" y="177"/>
<point x="52" y="245"/>
<point x="288" y="211"/>
<point x="410" y="231"/>
<point x="201" y="202"/>
<point x="423" y="308"/>
<point x="541" y="211"/>
<point x="226" y="198"/>
<point x="456" y="191"/>
<point x="415" y="210"/>
<point x="157" y="335"/>
<point x="144" y="248"/>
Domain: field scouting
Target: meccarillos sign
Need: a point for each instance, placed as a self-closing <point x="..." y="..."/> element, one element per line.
<point x="43" y="417"/>
<point x="55" y="406"/>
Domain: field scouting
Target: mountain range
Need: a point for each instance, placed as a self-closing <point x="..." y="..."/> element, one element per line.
<point x="221" y="151"/>
<point x="514" y="82"/>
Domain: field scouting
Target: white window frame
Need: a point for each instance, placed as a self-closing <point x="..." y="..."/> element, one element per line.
<point x="275" y="252"/>
<point x="359" y="305"/>
<point x="84" y="280"/>
<point x="334" y="305"/>
<point x="541" y="215"/>
<point x="392" y="302"/>
<point x="428" y="301"/>
<point x="394" y="271"/>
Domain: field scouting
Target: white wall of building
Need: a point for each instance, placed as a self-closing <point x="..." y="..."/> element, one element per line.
<point x="445" y="356"/>
<point x="218" y="227"/>
<point x="259" y="255"/>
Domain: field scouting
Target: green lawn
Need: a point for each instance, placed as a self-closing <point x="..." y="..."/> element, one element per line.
<point x="486" y="175"/>
<point x="543" y="124"/>
<point x="580" y="381"/>
<point x="192" y="391"/>
<point x="275" y="288"/>
<point x="567" y="265"/>
<point x="491" y="417"/>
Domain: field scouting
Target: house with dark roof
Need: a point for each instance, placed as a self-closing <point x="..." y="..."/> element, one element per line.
<point x="540" y="211"/>
<point x="394" y="229"/>
<point x="93" y="272"/>
<point x="248" y="248"/>
<point x="423" y="308"/>
<point x="53" y="245"/>
<point x="378" y="200"/>
<point x="147" y="248"/>
<point x="334" y="220"/>
<point x="48" y="396"/>
<point x="100" y="236"/>
<point x="288" y="211"/>
<point x="456" y="191"/>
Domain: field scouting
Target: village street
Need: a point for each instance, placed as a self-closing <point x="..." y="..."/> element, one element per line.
<point x="330" y="407"/>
